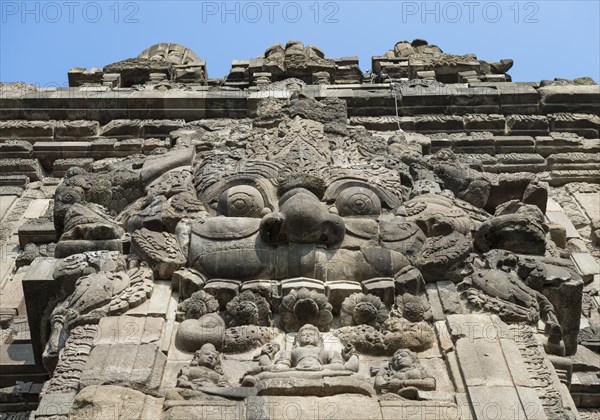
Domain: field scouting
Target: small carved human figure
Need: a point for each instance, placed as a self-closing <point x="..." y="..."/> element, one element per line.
<point x="204" y="370"/>
<point x="309" y="355"/>
<point x="404" y="376"/>
<point x="265" y="360"/>
<point x="267" y="355"/>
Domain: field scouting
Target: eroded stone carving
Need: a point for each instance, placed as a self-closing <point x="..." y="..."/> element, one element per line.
<point x="361" y="309"/>
<point x="95" y="296"/>
<point x="420" y="60"/>
<point x="289" y="229"/>
<point x="160" y="250"/>
<point x="304" y="369"/>
<point x="518" y="228"/>
<point x="301" y="307"/>
<point x="198" y="304"/>
<point x="294" y="60"/>
<point x="249" y="308"/>
<point x="507" y="295"/>
<point x="205" y="369"/>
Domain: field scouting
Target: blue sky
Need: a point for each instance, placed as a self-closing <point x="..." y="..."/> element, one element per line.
<point x="41" y="40"/>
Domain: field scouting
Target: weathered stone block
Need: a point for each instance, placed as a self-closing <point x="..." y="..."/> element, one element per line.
<point x="58" y="404"/>
<point x="475" y="99"/>
<point x="129" y="365"/>
<point x="514" y="144"/>
<point x="586" y="265"/>
<point x="65" y="248"/>
<point x="561" y="177"/>
<point x="39" y="288"/>
<point x="75" y="129"/>
<point x="223" y="290"/>
<point x="16" y="149"/>
<point x="559" y="217"/>
<point x="205" y="410"/>
<point x="121" y="128"/>
<point x="338" y="290"/>
<point x="160" y="128"/>
<point x="113" y="402"/>
<point x="449" y="298"/>
<point x="570" y="98"/>
<point x="40" y="230"/>
<point x="475" y="144"/>
<point x="16" y="129"/>
<point x="297" y="283"/>
<point x="382" y="287"/>
<point x="527" y="125"/>
<point x="494" y="123"/>
<point x="573" y="161"/>
<point x="419" y="410"/>
<point x="60" y="166"/>
<point x="129" y="145"/>
<point x="434" y="299"/>
<point x="440" y="123"/>
<point x="19" y="166"/>
<point x="154" y="143"/>
<point x="517" y="98"/>
<point x="586" y="125"/>
<point x="339" y="406"/>
<point x="558" y="234"/>
<point x="519" y="162"/>
<point x="160" y="299"/>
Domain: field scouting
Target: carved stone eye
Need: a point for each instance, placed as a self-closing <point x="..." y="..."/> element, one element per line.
<point x="241" y="201"/>
<point x="358" y="201"/>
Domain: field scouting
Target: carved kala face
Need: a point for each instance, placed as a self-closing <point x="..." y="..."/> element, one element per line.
<point x="266" y="222"/>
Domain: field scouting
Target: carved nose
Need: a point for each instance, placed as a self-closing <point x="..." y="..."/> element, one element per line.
<point x="302" y="218"/>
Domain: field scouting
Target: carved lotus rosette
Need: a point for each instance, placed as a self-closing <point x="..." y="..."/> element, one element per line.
<point x="362" y="309"/>
<point x="305" y="306"/>
<point x="197" y="305"/>
<point x="412" y="308"/>
<point x="249" y="308"/>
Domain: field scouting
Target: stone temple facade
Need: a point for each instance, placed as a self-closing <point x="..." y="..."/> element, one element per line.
<point x="300" y="239"/>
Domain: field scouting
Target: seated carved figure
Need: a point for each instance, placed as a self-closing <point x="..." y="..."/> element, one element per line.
<point x="309" y="354"/>
<point x="307" y="360"/>
<point x="203" y="379"/>
<point x="204" y="370"/>
<point x="404" y="376"/>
